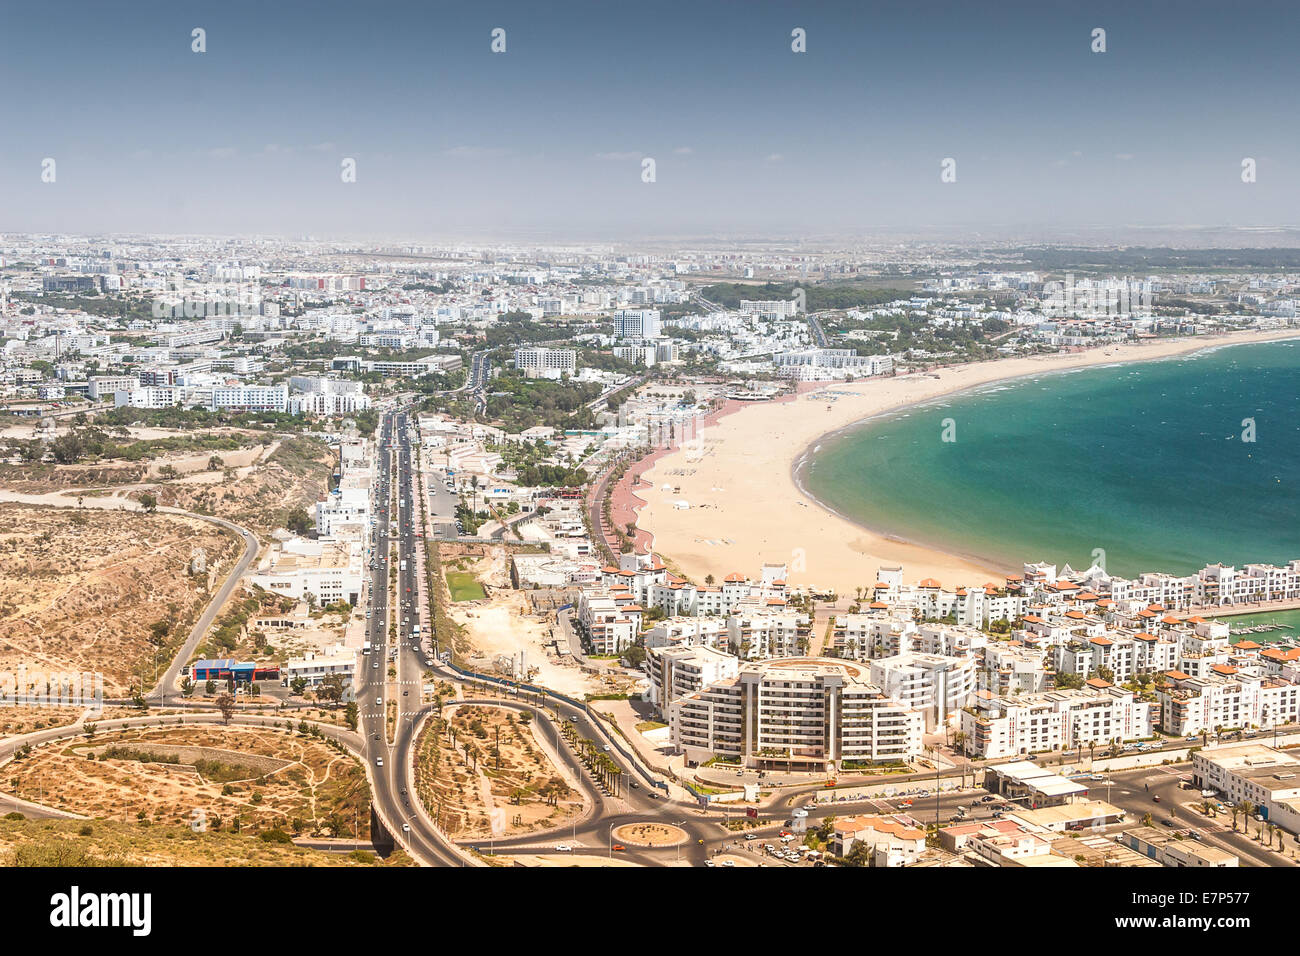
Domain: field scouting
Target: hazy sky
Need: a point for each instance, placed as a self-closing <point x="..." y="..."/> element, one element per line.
<point x="547" y="138"/>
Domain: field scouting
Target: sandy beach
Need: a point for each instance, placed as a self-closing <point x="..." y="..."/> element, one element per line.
<point x="745" y="507"/>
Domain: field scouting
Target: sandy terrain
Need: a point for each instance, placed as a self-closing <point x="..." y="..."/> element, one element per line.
<point x="79" y="589"/>
<point x="745" y="507"/>
<point x="498" y="626"/>
<point x="475" y="792"/>
<point x="265" y="778"/>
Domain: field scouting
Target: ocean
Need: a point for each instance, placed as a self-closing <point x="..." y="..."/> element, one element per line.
<point x="1151" y="466"/>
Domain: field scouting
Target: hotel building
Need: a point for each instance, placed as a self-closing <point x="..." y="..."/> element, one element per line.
<point x="812" y="714"/>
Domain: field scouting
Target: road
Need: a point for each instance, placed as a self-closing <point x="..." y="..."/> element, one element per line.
<point x="388" y="762"/>
<point x="167" y="684"/>
<point x="1134" y="791"/>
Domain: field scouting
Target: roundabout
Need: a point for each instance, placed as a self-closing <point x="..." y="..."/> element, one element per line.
<point x="650" y="834"/>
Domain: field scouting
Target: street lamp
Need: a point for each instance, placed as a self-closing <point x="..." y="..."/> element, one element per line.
<point x="611" y="840"/>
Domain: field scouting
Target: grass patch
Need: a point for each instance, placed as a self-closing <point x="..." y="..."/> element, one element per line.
<point x="464" y="586"/>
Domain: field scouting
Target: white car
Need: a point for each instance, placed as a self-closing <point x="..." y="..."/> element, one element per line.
<point x="379" y="761"/>
<point x="406" y="828"/>
<point x="563" y="848"/>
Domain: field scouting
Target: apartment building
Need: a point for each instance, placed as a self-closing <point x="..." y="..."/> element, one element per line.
<point x="1099" y="714"/>
<point x="546" y="363"/>
<point x="1223" y="699"/>
<point x="637" y="324"/>
<point x="754" y="633"/>
<point x="610" y="620"/>
<point x="253" y="398"/>
<point x="809" y="714"/>
<point x="1010" y="668"/>
<point x="687" y="632"/>
<point x="676" y="672"/>
<point x="937" y="686"/>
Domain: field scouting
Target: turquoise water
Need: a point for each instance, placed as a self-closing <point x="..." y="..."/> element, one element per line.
<point x="1144" y="461"/>
<point x="1290" y="618"/>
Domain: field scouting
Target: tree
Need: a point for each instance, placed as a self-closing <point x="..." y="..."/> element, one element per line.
<point x="350" y="715"/>
<point x="210" y="688"/>
<point x="149" y="503"/>
<point x="67" y="448"/>
<point x="215" y="463"/>
<point x="226" y="704"/>
<point x="331" y="689"/>
<point x="298" y="521"/>
<point x="298" y="685"/>
<point x="187" y="686"/>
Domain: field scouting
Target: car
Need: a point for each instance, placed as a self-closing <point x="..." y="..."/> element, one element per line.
<point x="1155" y="798"/>
<point x="618" y="848"/>
<point x="709" y="863"/>
<point x="728" y="862"/>
<point x="563" y="848"/>
<point x="405" y="693"/>
<point x="379" y="761"/>
<point x="997" y="814"/>
<point x="635" y="785"/>
<point x="750" y="836"/>
<point x="406" y="828"/>
<point x="375" y="665"/>
<point x="379" y="702"/>
<point x="1169" y="822"/>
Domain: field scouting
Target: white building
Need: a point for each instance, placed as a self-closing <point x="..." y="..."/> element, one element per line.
<point x="314" y="668"/>
<point x="538" y="362"/>
<point x="810" y="714"/>
<point x="938" y="686"/>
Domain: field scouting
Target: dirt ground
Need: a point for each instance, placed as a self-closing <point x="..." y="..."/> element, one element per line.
<point x="261" y="778"/>
<point x="79" y="589"/>
<point x="294" y="474"/>
<point x="19" y="720"/>
<point x="474" y="793"/>
<point x="500" y="627"/>
<point x="110" y="843"/>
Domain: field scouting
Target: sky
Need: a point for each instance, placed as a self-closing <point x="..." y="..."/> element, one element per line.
<point x="548" y="139"/>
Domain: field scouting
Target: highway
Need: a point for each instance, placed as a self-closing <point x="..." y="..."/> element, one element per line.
<point x="390" y="764"/>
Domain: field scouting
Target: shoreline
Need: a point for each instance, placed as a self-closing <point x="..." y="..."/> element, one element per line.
<point x="778" y="520"/>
